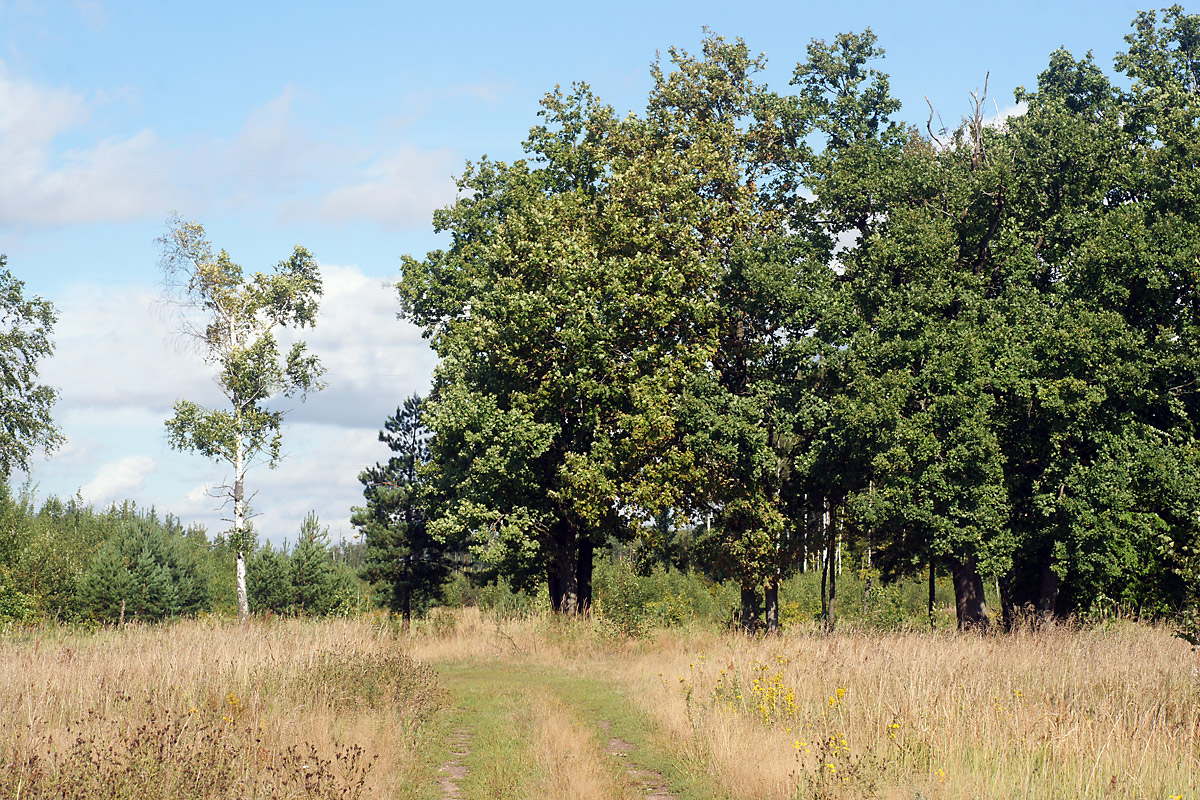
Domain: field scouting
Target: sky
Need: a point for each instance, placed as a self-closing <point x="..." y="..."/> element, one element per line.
<point x="341" y="129"/>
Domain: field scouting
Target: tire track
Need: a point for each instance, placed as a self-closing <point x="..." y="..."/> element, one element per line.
<point x="650" y="783"/>
<point x="460" y="748"/>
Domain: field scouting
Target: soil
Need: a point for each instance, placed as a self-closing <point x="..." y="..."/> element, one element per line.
<point x="651" y="783"/>
<point x="460" y="748"/>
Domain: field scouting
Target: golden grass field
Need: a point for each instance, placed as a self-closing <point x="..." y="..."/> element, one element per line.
<point x="351" y="708"/>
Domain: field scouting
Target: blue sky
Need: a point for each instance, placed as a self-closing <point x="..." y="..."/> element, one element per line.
<point x="277" y="124"/>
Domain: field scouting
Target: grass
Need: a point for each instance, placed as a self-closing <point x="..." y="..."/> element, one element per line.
<point x="1111" y="711"/>
<point x="1082" y="714"/>
<point x="350" y="709"/>
<point x="206" y="709"/>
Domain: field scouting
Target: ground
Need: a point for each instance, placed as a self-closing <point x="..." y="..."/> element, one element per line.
<point x="472" y="706"/>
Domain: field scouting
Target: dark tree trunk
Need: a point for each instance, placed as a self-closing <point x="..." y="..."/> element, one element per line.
<point x="771" y="601"/>
<point x="583" y="576"/>
<point x="932" y="592"/>
<point x="748" y="618"/>
<point x="554" y="585"/>
<point x="405" y="610"/>
<point x="1008" y="606"/>
<point x="968" y="595"/>
<point x="1047" y="597"/>
<point x="569" y="573"/>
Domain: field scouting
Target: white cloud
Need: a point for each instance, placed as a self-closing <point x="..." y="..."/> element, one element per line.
<point x="114" y="178"/>
<point x="116" y="349"/>
<point x="1006" y="113"/>
<point x="118" y="479"/>
<point x="398" y="190"/>
<point x="274" y="160"/>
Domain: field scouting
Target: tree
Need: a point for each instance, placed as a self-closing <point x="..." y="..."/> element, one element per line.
<point x="232" y="318"/>
<point x="552" y="404"/>
<point x="762" y="281"/>
<point x="269" y="579"/>
<point x="25" y="327"/>
<point x="311" y="567"/>
<point x="144" y="572"/>
<point x="401" y="552"/>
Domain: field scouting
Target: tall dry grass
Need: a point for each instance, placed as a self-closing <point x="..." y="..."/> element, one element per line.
<point x="1057" y="714"/>
<point x="1109" y="712"/>
<point x="335" y="709"/>
<point x="209" y="709"/>
<point x="568" y="754"/>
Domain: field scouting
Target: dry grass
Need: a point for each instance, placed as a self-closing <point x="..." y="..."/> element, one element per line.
<point x="1101" y="713"/>
<point x="207" y="709"/>
<point x="1079" y="714"/>
<point x="567" y="753"/>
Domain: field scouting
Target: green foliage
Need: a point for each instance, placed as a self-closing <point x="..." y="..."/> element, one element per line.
<point x="46" y="554"/>
<point x="790" y="316"/>
<point x="15" y="606"/>
<point x="143" y="574"/>
<point x="25" y="422"/>
<point x="496" y="597"/>
<point x="269" y="581"/>
<point x="237" y="335"/>
<point x="308" y="581"/>
<point x="401" y="554"/>
<point x="311" y="567"/>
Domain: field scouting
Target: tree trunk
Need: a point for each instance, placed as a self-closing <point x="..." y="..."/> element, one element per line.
<point x="771" y="603"/>
<point x="1047" y="600"/>
<point x="583" y="576"/>
<point x="406" y="610"/>
<point x="824" y="586"/>
<point x="968" y="595"/>
<point x="749" y="613"/>
<point x="569" y="574"/>
<point x="1008" y="608"/>
<point x="243" y="599"/>
<point x="804" y="528"/>
<point x="932" y="594"/>
<point x="831" y="542"/>
<point x="239" y="524"/>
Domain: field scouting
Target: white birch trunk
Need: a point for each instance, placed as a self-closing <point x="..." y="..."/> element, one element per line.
<point x="239" y="522"/>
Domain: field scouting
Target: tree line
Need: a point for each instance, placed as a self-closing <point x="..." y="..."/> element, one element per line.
<point x="70" y="561"/>
<point x="791" y="323"/>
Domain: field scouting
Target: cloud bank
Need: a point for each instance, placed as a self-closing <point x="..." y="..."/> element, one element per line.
<point x="62" y="167"/>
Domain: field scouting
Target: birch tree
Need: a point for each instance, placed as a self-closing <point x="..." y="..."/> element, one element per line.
<point x="232" y="319"/>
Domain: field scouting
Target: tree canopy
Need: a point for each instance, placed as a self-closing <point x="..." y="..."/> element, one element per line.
<point x="797" y="319"/>
<point x="25" y="327"/>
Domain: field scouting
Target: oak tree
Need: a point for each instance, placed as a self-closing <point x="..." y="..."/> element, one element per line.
<point x="25" y="328"/>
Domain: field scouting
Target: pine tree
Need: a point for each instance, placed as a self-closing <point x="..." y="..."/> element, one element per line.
<point x="401" y="553"/>
<point x="311" y="567"/>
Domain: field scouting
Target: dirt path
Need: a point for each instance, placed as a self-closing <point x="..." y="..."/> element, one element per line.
<point x="521" y="731"/>
<point x="650" y="783"/>
<point x="460" y="748"/>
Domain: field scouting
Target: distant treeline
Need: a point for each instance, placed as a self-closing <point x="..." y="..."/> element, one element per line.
<point x="72" y="562"/>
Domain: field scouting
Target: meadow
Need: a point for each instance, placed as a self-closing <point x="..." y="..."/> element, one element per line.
<point x="475" y="705"/>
